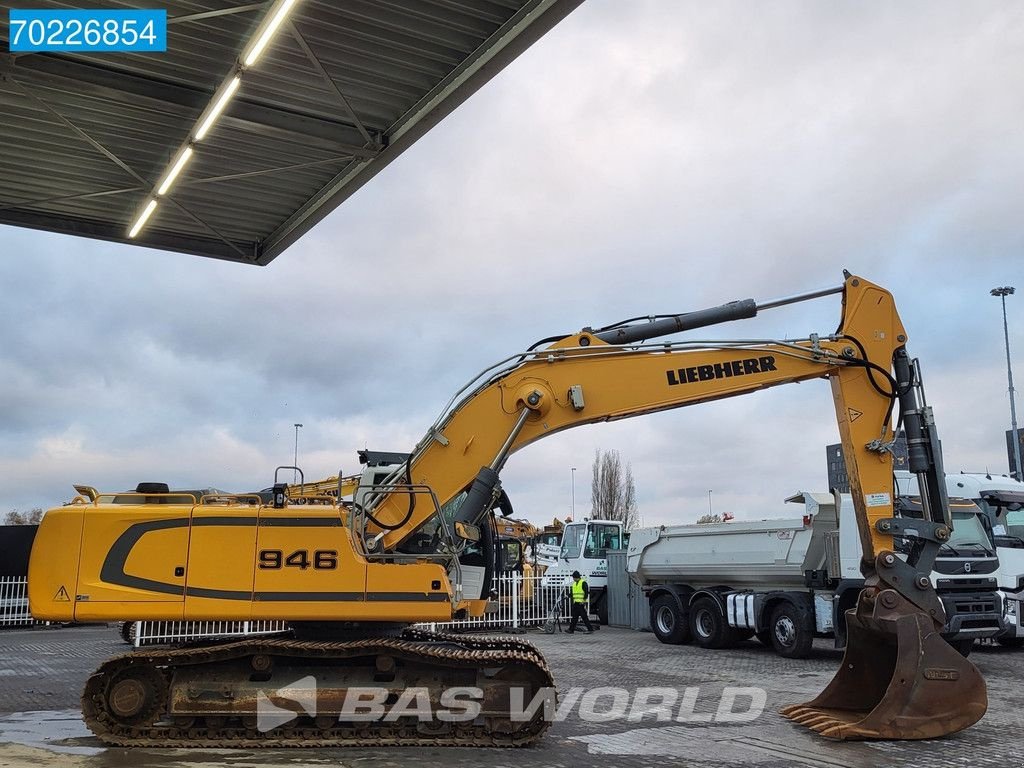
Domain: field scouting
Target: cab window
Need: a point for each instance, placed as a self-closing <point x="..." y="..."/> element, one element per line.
<point x="572" y="541"/>
<point x="600" y="539"/>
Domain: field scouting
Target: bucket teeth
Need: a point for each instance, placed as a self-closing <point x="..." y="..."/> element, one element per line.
<point x="825" y="725"/>
<point x="835" y="731"/>
<point x="820" y="722"/>
<point x="813" y="721"/>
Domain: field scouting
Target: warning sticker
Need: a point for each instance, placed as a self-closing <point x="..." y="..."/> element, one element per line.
<point x="62" y="596"/>
<point x="854" y="414"/>
<point x="877" y="500"/>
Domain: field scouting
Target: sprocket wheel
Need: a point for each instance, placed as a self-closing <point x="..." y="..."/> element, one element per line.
<point x="135" y="696"/>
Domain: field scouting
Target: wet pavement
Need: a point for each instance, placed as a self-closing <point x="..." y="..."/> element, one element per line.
<point x="42" y="672"/>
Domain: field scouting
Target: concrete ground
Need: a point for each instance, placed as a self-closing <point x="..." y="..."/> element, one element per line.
<point x="42" y="672"/>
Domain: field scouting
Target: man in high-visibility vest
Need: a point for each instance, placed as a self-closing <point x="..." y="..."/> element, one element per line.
<point x="579" y="593"/>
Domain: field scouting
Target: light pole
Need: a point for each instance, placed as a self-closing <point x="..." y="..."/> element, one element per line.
<point x="709" y="502"/>
<point x="573" y="507"/>
<point x="295" y="463"/>
<point x="1002" y="293"/>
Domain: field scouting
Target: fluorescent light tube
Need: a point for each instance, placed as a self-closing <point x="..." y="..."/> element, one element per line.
<point x="146" y="213"/>
<point x="183" y="158"/>
<point x="218" y="107"/>
<point x="268" y="32"/>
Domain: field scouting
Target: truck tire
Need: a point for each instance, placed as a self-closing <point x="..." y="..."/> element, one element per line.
<point x="708" y="625"/>
<point x="127" y="631"/>
<point x="789" y="637"/>
<point x="670" y="625"/>
<point x="602" y="608"/>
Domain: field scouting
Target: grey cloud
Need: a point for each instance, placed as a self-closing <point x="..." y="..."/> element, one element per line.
<point x="643" y="157"/>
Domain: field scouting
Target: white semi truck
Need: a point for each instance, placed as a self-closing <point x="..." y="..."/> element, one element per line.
<point x="1001" y="498"/>
<point x="585" y="547"/>
<point x="789" y="580"/>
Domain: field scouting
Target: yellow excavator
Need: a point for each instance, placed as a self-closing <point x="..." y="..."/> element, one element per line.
<point x="420" y="546"/>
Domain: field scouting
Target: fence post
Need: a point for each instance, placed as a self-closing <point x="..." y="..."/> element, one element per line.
<point x="515" y="601"/>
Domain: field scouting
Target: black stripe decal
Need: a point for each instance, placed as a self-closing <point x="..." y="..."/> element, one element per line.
<point x="411" y="597"/>
<point x="217" y="594"/>
<point x="209" y="522"/>
<point x="301" y="522"/>
<point x="112" y="570"/>
<point x="326" y="597"/>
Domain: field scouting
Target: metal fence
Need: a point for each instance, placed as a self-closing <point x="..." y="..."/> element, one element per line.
<point x="170" y="632"/>
<point x="522" y="602"/>
<point x="14" y="602"/>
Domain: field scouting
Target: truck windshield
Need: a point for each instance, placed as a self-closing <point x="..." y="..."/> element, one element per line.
<point x="970" y="536"/>
<point x="601" y="538"/>
<point x="1015" y="523"/>
<point x="549" y="539"/>
<point x="572" y="541"/>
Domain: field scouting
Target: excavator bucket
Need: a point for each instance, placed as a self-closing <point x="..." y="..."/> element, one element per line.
<point x="899" y="678"/>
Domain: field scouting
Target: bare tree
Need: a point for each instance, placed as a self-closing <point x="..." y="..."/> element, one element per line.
<point x="32" y="517"/>
<point x="612" y="491"/>
<point x="709" y="518"/>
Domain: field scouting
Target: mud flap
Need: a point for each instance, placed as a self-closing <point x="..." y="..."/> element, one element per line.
<point x="899" y="678"/>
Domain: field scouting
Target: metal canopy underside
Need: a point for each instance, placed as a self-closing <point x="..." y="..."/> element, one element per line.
<point x="345" y="87"/>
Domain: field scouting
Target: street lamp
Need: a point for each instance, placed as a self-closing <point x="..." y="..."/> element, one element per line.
<point x="1002" y="293"/>
<point x="295" y="463"/>
<point x="709" y="501"/>
<point x="573" y="507"/>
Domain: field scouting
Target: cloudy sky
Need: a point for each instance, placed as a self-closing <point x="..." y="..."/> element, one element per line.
<point x="643" y="157"/>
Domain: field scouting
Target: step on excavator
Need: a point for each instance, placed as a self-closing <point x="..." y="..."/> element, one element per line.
<point x="421" y="546"/>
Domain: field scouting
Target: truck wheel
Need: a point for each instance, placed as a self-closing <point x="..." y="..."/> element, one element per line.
<point x="789" y="637"/>
<point x="127" y="630"/>
<point x="602" y="608"/>
<point x="708" y="625"/>
<point x="1011" y="642"/>
<point x="669" y="624"/>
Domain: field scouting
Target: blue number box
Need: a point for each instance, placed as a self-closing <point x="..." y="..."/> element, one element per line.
<point x="87" y="31"/>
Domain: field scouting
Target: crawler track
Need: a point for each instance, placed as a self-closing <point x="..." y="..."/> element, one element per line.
<point x="207" y="696"/>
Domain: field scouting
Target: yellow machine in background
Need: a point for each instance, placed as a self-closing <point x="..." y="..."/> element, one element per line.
<point x="421" y="546"/>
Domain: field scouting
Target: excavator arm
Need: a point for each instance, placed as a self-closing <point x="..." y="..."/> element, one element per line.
<point x="899" y="679"/>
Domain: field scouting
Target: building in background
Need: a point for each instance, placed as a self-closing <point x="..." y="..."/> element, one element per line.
<point x="1009" y="449"/>
<point x="839" y="479"/>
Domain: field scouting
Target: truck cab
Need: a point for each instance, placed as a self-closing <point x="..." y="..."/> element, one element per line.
<point x="964" y="575"/>
<point x="1001" y="501"/>
<point x="585" y="547"/>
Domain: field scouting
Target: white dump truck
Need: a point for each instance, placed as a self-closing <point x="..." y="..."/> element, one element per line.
<point x="789" y="580"/>
<point x="1001" y="498"/>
